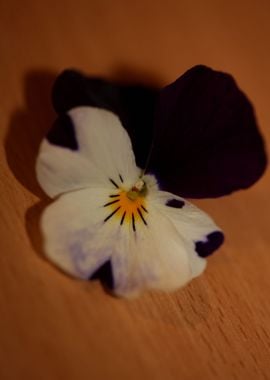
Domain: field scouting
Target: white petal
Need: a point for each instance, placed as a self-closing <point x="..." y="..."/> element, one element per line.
<point x="154" y="257"/>
<point x="75" y="236"/>
<point x="192" y="224"/>
<point x="104" y="151"/>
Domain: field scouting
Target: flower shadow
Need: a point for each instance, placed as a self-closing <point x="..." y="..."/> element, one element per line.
<point x="28" y="126"/>
<point x="126" y="75"/>
<point x="32" y="218"/>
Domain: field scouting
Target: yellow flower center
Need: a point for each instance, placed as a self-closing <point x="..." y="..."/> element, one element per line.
<point x="129" y="206"/>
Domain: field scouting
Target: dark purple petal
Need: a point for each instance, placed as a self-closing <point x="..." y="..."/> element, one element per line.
<point x="207" y="143"/>
<point x="72" y="89"/>
<point x="134" y="104"/>
<point x="62" y="133"/>
<point x="212" y="243"/>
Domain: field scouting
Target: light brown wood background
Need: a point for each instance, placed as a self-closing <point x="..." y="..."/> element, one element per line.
<point x="53" y="327"/>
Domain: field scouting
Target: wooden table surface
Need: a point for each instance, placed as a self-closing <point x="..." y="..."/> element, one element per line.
<point x="53" y="327"/>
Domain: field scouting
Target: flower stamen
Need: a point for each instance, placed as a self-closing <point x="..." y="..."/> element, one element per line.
<point x="129" y="203"/>
<point x="138" y="190"/>
<point x="109" y="216"/>
<point x="141" y="215"/>
<point x="114" y="183"/>
<point x="123" y="218"/>
<point x="111" y="203"/>
<point x="133" y="223"/>
<point x="144" y="209"/>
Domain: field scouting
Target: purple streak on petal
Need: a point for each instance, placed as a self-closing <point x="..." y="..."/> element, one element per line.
<point x="79" y="254"/>
<point x="206" y="143"/>
<point x="104" y="274"/>
<point x="79" y="259"/>
<point x="213" y="242"/>
<point x="175" y="203"/>
<point x="63" y="133"/>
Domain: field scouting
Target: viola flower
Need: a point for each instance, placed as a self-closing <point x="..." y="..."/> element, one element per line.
<point x="107" y="210"/>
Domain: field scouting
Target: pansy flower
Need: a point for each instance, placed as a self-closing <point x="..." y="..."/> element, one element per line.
<point x="118" y="161"/>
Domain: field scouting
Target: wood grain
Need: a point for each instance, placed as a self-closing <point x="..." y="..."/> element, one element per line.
<point x="53" y="327"/>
